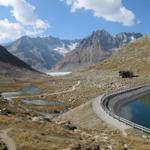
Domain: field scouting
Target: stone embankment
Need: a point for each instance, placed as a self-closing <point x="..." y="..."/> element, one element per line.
<point x="107" y="107"/>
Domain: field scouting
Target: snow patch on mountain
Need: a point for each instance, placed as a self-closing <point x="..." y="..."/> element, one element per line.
<point x="64" y="49"/>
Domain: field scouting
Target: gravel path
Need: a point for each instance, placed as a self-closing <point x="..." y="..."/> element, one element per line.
<point x="73" y="88"/>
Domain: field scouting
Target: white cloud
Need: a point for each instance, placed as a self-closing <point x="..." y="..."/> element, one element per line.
<point x="24" y="13"/>
<point x="111" y="10"/>
<point x="27" y="22"/>
<point x="41" y="24"/>
<point x="9" y="31"/>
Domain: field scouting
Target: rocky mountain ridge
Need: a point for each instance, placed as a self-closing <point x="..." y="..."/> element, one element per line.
<point x="96" y="47"/>
<point x="44" y="53"/>
<point x="41" y="52"/>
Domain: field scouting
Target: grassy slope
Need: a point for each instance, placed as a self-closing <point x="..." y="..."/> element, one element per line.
<point x="134" y="56"/>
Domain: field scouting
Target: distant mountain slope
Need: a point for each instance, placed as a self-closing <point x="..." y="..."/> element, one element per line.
<point x="125" y="38"/>
<point x="12" y="66"/>
<point x="97" y="47"/>
<point x="8" y="58"/>
<point x="41" y="53"/>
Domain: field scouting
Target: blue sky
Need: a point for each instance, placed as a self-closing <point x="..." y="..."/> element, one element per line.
<point x="70" y="19"/>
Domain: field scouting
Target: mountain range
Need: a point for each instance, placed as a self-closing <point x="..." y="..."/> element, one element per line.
<point x="41" y="53"/>
<point x="45" y="53"/>
<point x="95" y="48"/>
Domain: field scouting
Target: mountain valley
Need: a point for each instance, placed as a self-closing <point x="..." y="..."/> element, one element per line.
<point x="57" y="127"/>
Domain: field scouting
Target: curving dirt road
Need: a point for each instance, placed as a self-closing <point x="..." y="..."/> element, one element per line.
<point x="7" y="140"/>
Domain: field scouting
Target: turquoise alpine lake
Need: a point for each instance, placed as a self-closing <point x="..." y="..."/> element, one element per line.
<point x="137" y="111"/>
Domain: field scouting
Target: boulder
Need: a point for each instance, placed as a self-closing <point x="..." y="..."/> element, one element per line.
<point x="126" y="74"/>
<point x="5" y="111"/>
<point x="69" y="126"/>
<point x="37" y="119"/>
<point x="96" y="147"/>
<point x="125" y="147"/>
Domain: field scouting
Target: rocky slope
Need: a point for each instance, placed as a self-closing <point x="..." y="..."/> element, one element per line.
<point x="97" y="47"/>
<point x="125" y="38"/>
<point x="10" y="65"/>
<point x="41" y="53"/>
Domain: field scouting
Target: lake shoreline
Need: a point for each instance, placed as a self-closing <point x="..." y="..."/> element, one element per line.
<point x="125" y="100"/>
<point x="113" y="103"/>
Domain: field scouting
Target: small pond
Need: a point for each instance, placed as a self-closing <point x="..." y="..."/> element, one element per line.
<point x="25" y="90"/>
<point x="40" y="102"/>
